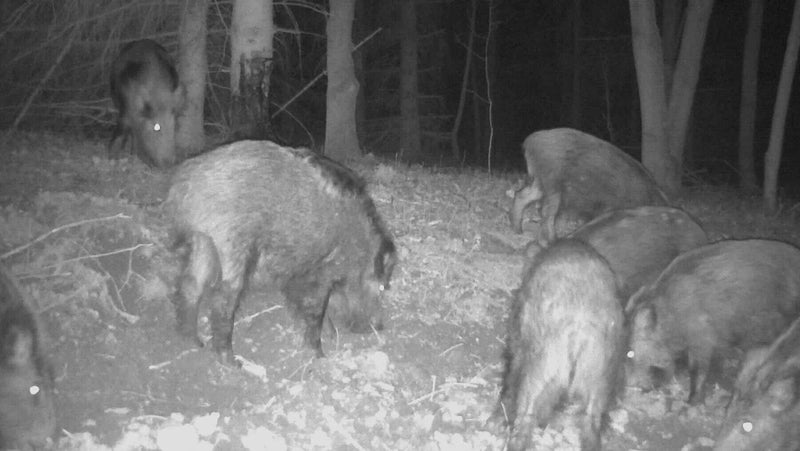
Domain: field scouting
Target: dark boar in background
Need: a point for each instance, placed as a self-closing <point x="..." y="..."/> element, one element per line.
<point x="146" y="92"/>
<point x="304" y="220"/>
<point x="566" y="338"/>
<point x="726" y="295"/>
<point x="639" y="243"/>
<point x="764" y="414"/>
<point x="27" y="417"/>
<point x="574" y="177"/>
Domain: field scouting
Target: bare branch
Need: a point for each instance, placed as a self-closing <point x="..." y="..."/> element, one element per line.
<point x="59" y="229"/>
<point x="320" y="75"/>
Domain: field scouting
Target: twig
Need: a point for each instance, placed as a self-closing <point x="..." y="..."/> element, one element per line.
<point x="450" y="349"/>
<point x="300" y="369"/>
<point x="58" y="229"/>
<point x="297" y="120"/>
<point x="158" y="366"/>
<point x="92" y="256"/>
<point x="338" y="428"/>
<point x="320" y="75"/>
<point x="131" y="319"/>
<point x="44" y="79"/>
<point x="252" y="368"/>
<point x="443" y="388"/>
<point x="249" y="318"/>
<point x="428" y="395"/>
<point x="14" y="17"/>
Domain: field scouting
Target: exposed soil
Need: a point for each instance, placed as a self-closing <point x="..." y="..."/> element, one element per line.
<point x="429" y="381"/>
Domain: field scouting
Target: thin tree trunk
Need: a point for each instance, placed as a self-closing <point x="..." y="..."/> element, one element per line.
<point x="464" y="82"/>
<point x="478" y="131"/>
<point x="341" y="140"/>
<point x="576" y="65"/>
<point x="360" y="29"/>
<point x="490" y="75"/>
<point x="772" y="159"/>
<point x="671" y="13"/>
<point x="747" y="110"/>
<point x="411" y="141"/>
<point x="252" y="32"/>
<point x="649" y="63"/>
<point x="687" y="71"/>
<point x="192" y="70"/>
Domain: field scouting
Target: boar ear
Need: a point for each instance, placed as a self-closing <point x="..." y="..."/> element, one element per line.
<point x="179" y="97"/>
<point x="385" y="260"/>
<point x="781" y="394"/>
<point x="17" y="347"/>
<point x="644" y="317"/>
<point x="634" y="299"/>
<point x="652" y="316"/>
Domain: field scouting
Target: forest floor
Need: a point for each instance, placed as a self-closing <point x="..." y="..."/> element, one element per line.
<point x="102" y="278"/>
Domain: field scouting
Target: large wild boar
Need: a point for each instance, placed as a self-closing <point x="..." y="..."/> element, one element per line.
<point x="304" y="220"/>
<point x="566" y="339"/>
<point x="765" y="410"/>
<point x="639" y="243"/>
<point x="575" y="177"/>
<point x="732" y="294"/>
<point x="148" y="96"/>
<point x="27" y="415"/>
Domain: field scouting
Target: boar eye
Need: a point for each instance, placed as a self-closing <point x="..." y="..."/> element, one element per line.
<point x="630" y="354"/>
<point x="157" y="127"/>
<point x="381" y="287"/>
<point x="34" y="390"/>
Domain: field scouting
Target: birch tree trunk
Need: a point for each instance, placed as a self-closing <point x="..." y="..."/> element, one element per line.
<point x="772" y="159"/>
<point x="192" y="69"/>
<point x="411" y="145"/>
<point x="341" y="140"/>
<point x="649" y="61"/>
<point x="747" y="109"/>
<point x="252" y="31"/>
<point x="684" y="80"/>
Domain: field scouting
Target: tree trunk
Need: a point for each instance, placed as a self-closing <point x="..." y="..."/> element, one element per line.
<point x="747" y="110"/>
<point x="490" y="76"/>
<point x="575" y="110"/>
<point x="671" y="14"/>
<point x="772" y="159"/>
<point x="687" y="71"/>
<point x="462" y="96"/>
<point x="192" y="70"/>
<point x="477" y="116"/>
<point x="252" y="31"/>
<point x="360" y="31"/>
<point x="341" y="140"/>
<point x="665" y="119"/>
<point x="411" y="145"/>
<point x="649" y="64"/>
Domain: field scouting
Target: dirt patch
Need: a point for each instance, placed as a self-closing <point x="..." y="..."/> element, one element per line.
<point x="104" y="278"/>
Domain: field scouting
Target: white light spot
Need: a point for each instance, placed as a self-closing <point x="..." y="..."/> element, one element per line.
<point x="157" y="127"/>
<point x="747" y="426"/>
<point x="630" y="354"/>
<point x="34" y="390"/>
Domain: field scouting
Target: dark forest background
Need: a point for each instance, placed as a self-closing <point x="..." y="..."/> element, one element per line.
<point x="542" y="72"/>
